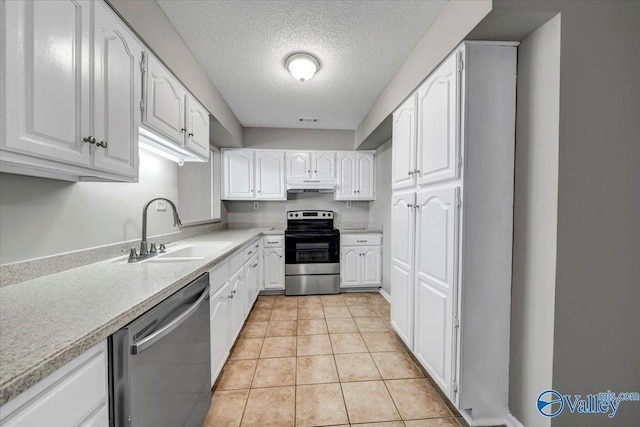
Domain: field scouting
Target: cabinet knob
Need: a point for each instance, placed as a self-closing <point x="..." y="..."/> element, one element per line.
<point x="183" y="130"/>
<point x="308" y="171"/>
<point x="417" y="171"/>
<point x="102" y="144"/>
<point x="191" y="135"/>
<point x="410" y="173"/>
<point x="89" y="139"/>
<point x="315" y="171"/>
<point x="409" y="205"/>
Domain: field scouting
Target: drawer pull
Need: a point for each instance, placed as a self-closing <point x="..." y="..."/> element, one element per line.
<point x="362" y="241"/>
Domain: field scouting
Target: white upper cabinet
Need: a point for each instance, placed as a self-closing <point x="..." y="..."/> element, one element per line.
<point x="165" y="99"/>
<point x="72" y="92"/>
<point x="324" y="164"/>
<point x="270" y="177"/>
<point x="47" y="79"/>
<point x="303" y="165"/>
<point x="356" y="176"/>
<point x="172" y="113"/>
<point x="438" y="122"/>
<point x="117" y="79"/>
<point x="198" y="128"/>
<point x="254" y="175"/>
<point x="238" y="174"/>
<point x="299" y="165"/>
<point x="404" y="145"/>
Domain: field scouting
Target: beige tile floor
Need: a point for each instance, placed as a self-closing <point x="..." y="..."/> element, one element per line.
<point x="324" y="361"/>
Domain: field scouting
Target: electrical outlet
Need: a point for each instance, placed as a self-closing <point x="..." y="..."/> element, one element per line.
<point x="349" y="204"/>
<point x="256" y="205"/>
<point x="161" y="205"/>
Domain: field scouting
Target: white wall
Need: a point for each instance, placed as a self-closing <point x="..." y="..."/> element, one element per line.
<point x="535" y="222"/>
<point x="298" y="139"/>
<point x="40" y="217"/>
<point x="380" y="209"/>
<point x="274" y="213"/>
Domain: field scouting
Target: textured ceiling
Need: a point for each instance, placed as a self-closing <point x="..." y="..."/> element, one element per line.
<point x="242" y="46"/>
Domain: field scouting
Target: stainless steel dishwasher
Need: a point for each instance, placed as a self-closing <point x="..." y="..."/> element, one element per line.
<point x="161" y="365"/>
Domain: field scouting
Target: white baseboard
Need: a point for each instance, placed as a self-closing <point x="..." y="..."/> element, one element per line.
<point x="385" y="295"/>
<point x="513" y="421"/>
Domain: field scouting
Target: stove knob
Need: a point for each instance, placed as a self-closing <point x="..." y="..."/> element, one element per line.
<point x="296" y="214"/>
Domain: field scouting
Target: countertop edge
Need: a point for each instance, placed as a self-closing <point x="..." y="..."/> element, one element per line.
<point x="21" y="381"/>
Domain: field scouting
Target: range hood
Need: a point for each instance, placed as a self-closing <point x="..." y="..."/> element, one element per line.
<point x="311" y="186"/>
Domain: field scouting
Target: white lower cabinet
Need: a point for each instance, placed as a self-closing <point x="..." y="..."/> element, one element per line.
<point x="74" y="395"/>
<point x="360" y="260"/>
<point x="220" y="330"/>
<point x="236" y="316"/>
<point x="273" y="262"/>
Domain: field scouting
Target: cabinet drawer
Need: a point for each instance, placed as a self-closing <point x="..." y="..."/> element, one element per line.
<point x="218" y="275"/>
<point x="273" y="241"/>
<point x="69" y="396"/>
<point x="361" y="239"/>
<point x="236" y="261"/>
<point x="251" y="250"/>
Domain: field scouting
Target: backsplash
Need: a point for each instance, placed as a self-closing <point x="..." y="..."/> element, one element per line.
<point x="273" y="214"/>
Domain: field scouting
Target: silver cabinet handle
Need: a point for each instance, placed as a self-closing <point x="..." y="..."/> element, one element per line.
<point x="89" y="139"/>
<point x="102" y="144"/>
<point x="158" y="335"/>
<point x="410" y="173"/>
<point x="409" y="205"/>
<point x="417" y="171"/>
<point x="233" y="291"/>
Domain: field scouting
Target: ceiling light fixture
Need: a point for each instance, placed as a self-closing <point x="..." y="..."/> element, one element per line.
<point x="302" y="66"/>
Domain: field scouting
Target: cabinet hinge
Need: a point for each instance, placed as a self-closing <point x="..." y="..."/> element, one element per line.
<point x="459" y="161"/>
<point x="143" y="62"/>
<point x="456" y="322"/>
<point x="460" y="64"/>
<point x="142" y="105"/>
<point x="455" y="387"/>
<point x="458" y="202"/>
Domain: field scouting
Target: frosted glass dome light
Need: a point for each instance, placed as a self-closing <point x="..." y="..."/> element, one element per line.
<point x="302" y="66"/>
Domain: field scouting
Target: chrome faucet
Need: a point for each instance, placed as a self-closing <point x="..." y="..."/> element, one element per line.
<point x="144" y="250"/>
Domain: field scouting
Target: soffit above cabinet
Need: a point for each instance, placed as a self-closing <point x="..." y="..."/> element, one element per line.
<point x="243" y="45"/>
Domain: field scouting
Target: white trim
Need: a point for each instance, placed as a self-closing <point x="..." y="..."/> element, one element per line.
<point x="513" y="421"/>
<point x="385" y="295"/>
<point x="483" y="421"/>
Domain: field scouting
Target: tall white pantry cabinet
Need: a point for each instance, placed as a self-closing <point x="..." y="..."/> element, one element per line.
<point x="452" y="222"/>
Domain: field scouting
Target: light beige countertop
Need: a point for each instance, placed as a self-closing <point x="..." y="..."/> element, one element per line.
<point x="48" y="321"/>
<point x="365" y="230"/>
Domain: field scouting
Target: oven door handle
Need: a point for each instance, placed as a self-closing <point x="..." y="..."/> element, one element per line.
<point x="312" y="235"/>
<point x="161" y="333"/>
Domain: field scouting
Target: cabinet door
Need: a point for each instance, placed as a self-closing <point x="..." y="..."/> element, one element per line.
<point x="219" y="314"/>
<point x="236" y="317"/>
<point x="197" y="128"/>
<point x="117" y="90"/>
<point x="346" y="189"/>
<point x="371" y="268"/>
<point x="324" y="165"/>
<point x="270" y="179"/>
<point x="403" y="146"/>
<point x="46" y="79"/>
<point x="435" y="265"/>
<point x="164" y="102"/>
<point x="438" y="124"/>
<point x="238" y="174"/>
<point x="366" y="181"/>
<point x="273" y="268"/>
<point x="298" y="165"/>
<point x="350" y="266"/>
<point x="402" y="241"/>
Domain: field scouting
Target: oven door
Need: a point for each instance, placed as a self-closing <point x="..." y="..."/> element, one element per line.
<point x="312" y="248"/>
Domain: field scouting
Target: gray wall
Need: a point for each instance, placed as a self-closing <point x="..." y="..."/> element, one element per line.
<point x="597" y="318"/>
<point x="535" y="222"/>
<point x="380" y="209"/>
<point x="40" y="217"/>
<point x="455" y="21"/>
<point x="298" y="139"/>
<point x="149" y="21"/>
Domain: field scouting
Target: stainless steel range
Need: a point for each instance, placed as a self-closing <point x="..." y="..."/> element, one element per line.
<point x="312" y="254"/>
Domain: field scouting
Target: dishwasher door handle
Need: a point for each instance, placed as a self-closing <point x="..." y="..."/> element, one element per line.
<point x="158" y="335"/>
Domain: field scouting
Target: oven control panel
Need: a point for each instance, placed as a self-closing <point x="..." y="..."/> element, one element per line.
<point x="310" y="215"/>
